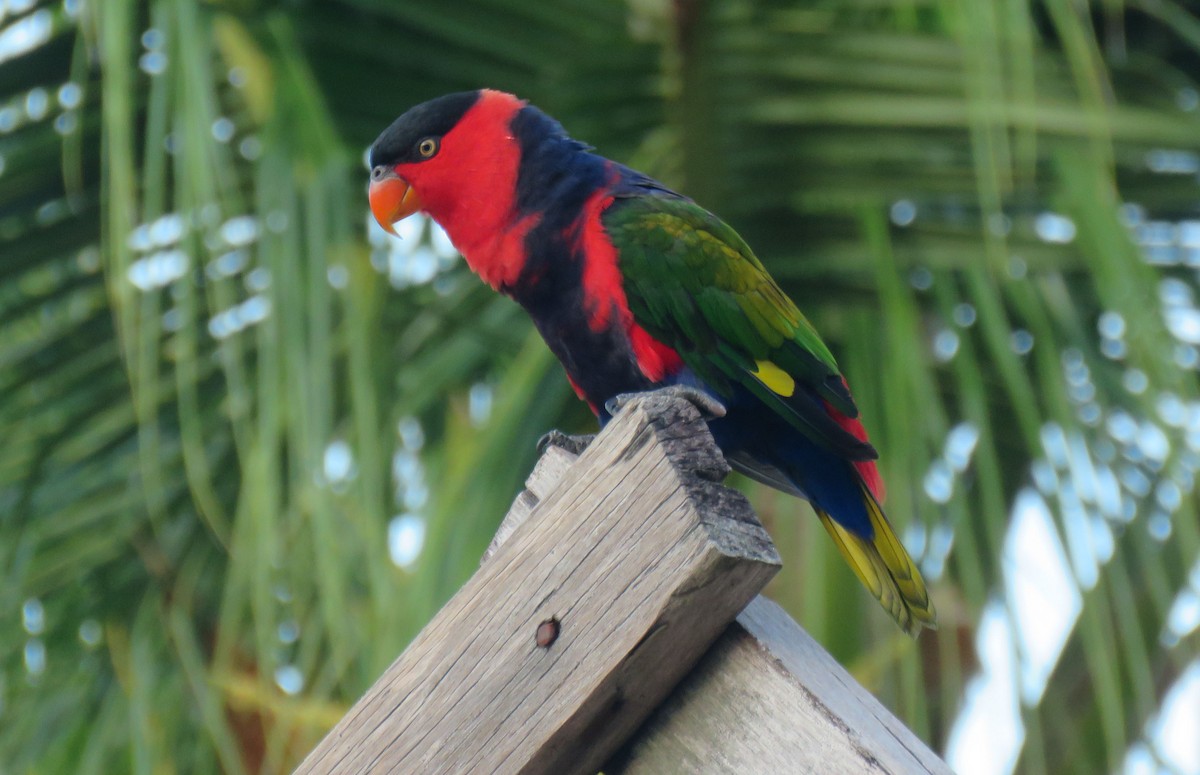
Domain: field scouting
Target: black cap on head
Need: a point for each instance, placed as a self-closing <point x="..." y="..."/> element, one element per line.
<point x="398" y="143"/>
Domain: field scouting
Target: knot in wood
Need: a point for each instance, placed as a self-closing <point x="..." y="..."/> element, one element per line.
<point x="547" y="632"/>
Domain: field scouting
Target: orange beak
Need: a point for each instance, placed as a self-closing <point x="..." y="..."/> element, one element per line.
<point x="392" y="200"/>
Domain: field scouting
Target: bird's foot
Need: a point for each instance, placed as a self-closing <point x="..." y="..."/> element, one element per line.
<point x="710" y="408"/>
<point x="573" y="444"/>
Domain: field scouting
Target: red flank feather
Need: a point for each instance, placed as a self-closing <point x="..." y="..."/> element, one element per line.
<point x="604" y="293"/>
<point x="654" y="358"/>
<point x="602" y="286"/>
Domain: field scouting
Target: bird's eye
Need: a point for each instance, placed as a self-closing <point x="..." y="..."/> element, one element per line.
<point x="378" y="173"/>
<point x="427" y="147"/>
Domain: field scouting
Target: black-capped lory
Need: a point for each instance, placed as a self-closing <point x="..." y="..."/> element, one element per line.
<point x="635" y="287"/>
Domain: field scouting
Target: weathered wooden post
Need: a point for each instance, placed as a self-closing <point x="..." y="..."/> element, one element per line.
<point x="610" y="579"/>
<point x="767" y="698"/>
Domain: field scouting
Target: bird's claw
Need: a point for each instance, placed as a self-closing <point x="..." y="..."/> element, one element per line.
<point x="573" y="444"/>
<point x="709" y="407"/>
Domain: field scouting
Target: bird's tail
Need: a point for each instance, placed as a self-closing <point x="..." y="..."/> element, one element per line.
<point x="884" y="567"/>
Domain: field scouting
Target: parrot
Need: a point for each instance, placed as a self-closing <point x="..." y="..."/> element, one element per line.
<point x="635" y="288"/>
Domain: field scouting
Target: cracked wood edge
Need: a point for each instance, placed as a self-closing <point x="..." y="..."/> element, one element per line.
<point x="549" y="469"/>
<point x="642" y="557"/>
<point x="768" y="699"/>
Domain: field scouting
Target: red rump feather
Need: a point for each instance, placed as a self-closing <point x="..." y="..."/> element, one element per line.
<point x="866" y="468"/>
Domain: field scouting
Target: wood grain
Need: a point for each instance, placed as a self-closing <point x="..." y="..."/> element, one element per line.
<point x="768" y="699"/>
<point x="551" y="467"/>
<point x="641" y="556"/>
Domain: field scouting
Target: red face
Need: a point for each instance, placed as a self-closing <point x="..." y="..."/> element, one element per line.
<point x="463" y="176"/>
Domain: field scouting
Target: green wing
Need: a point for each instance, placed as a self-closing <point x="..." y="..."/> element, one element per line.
<point x="694" y="284"/>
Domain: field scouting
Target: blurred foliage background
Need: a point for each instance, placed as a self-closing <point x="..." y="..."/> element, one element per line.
<point x="251" y="445"/>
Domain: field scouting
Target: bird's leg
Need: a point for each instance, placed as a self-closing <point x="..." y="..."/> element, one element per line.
<point x="573" y="444"/>
<point x="710" y="408"/>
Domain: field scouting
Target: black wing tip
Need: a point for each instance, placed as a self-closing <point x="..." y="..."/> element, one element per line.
<point x="835" y="390"/>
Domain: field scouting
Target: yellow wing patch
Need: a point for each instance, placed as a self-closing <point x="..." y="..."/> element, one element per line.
<point x="775" y="378"/>
<point x="885" y="568"/>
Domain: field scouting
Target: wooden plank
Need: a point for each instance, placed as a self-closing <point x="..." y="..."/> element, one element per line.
<point x="551" y="467"/>
<point x="768" y="699"/>
<point x="640" y="556"/>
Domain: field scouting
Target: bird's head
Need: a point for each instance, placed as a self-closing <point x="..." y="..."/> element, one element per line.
<point x="453" y="157"/>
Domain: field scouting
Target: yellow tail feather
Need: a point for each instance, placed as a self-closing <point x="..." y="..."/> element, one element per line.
<point x="884" y="567"/>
